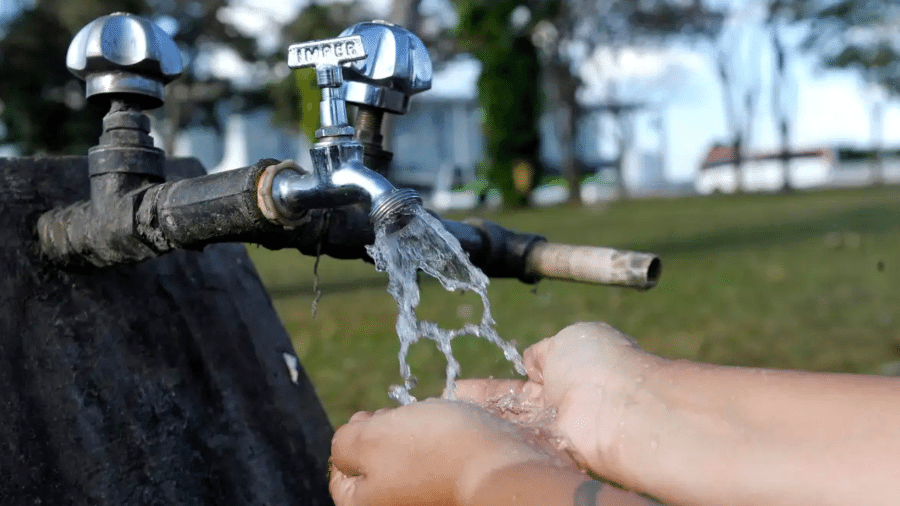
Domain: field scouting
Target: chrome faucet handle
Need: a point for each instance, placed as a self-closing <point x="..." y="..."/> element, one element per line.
<point x="124" y="55"/>
<point x="327" y="56"/>
<point x="396" y="67"/>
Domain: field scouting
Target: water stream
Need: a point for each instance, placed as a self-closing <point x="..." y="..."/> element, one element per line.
<point x="424" y="244"/>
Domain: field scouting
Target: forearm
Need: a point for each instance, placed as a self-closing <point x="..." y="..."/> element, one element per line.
<point x="701" y="434"/>
<point x="540" y="484"/>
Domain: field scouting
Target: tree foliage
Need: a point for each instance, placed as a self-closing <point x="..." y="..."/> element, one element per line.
<point x="41" y="101"/>
<point x="853" y="34"/>
<point x="508" y="93"/>
<point x="560" y="35"/>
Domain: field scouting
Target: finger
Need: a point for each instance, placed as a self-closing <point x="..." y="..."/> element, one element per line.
<point x="360" y="416"/>
<point x="535" y="358"/>
<point x="599" y="331"/>
<point x="358" y="443"/>
<point x="346" y="452"/>
<point x="347" y="490"/>
<point x="480" y="391"/>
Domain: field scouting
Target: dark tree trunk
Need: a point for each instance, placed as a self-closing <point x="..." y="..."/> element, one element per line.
<point x="564" y="109"/>
<point x="158" y="383"/>
<point x="738" y="147"/>
<point x="784" y="130"/>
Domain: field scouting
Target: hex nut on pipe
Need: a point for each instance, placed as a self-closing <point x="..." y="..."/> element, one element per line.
<point x="264" y="197"/>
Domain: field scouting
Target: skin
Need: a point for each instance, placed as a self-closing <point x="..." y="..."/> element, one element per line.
<point x="440" y="452"/>
<point x="684" y="432"/>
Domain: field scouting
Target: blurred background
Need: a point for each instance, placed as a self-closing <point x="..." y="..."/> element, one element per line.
<point x="754" y="145"/>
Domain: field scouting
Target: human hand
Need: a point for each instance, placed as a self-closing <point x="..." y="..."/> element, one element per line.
<point x="430" y="452"/>
<point x="587" y="374"/>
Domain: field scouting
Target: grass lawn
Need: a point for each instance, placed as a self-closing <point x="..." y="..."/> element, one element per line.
<point x="807" y="281"/>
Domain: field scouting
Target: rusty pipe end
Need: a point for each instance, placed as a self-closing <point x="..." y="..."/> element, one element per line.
<point x="596" y="265"/>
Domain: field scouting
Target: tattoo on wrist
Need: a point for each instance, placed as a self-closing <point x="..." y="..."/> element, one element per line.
<point x="586" y="493"/>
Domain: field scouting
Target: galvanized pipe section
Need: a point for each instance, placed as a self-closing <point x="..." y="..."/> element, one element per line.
<point x="367" y="123"/>
<point x="192" y="212"/>
<point x="152" y="220"/>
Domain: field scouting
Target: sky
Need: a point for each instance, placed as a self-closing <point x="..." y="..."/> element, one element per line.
<point x="830" y="107"/>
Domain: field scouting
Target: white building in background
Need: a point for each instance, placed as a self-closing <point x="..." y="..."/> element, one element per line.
<point x="815" y="168"/>
<point x="438" y="143"/>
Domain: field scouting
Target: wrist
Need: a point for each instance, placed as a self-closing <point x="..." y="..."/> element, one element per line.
<point x="673" y="420"/>
<point x="480" y="473"/>
<point x="526" y="483"/>
<point x="628" y="413"/>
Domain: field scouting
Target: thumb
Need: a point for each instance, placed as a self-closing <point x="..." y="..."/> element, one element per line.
<point x="535" y="358"/>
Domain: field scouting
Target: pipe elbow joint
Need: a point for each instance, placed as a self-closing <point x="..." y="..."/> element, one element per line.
<point x="84" y="235"/>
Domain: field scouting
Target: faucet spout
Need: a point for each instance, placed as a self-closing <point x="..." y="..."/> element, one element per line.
<point x="386" y="202"/>
<point x="293" y="191"/>
<point x="356" y="178"/>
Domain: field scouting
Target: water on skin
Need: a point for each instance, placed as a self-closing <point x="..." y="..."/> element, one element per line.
<point x="424" y="244"/>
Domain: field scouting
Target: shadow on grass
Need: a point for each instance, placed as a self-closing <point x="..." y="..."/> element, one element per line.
<point x="862" y="219"/>
<point x="336" y="286"/>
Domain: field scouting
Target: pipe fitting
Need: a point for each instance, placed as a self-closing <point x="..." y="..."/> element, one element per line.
<point x="273" y="209"/>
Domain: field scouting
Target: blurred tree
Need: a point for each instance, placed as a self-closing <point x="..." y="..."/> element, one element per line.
<point x="579" y="27"/>
<point x="508" y="93"/>
<point x="784" y="88"/>
<point x="738" y="59"/>
<point x="42" y="102"/>
<point x="199" y="32"/>
<point x="565" y="33"/>
<point x="860" y="35"/>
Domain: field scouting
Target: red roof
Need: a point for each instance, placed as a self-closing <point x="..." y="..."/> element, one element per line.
<point x="724" y="155"/>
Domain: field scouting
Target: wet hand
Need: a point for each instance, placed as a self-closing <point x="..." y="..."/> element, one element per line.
<point x="429" y="452"/>
<point x="586" y="374"/>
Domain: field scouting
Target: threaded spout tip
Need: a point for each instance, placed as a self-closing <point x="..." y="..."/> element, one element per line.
<point x="399" y="202"/>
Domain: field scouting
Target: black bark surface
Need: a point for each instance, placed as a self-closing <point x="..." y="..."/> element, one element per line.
<point x="157" y="383"/>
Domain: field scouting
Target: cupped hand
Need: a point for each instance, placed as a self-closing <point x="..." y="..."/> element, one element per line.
<point x="430" y="452"/>
<point x="579" y="382"/>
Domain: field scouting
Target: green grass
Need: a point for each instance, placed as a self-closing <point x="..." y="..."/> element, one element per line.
<point x="807" y="281"/>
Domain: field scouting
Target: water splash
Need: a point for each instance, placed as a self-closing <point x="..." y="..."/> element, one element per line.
<point x="424" y="244"/>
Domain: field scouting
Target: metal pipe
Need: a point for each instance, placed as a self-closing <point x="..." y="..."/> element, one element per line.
<point x="220" y="207"/>
<point x="231" y="206"/>
<point x="500" y="252"/>
<point x="367" y="124"/>
<point x="596" y="265"/>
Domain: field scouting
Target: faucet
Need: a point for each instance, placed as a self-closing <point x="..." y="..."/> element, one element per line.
<point x="340" y="177"/>
<point x="134" y="214"/>
<point x="396" y="67"/>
